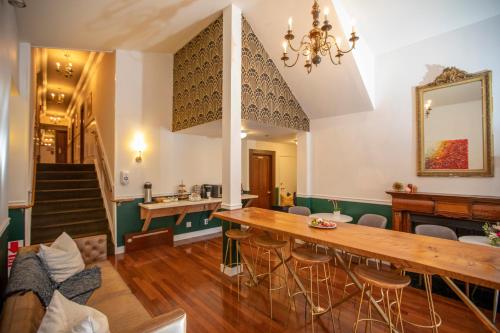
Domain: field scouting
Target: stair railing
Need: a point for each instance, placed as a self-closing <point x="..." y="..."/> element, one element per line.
<point x="104" y="177"/>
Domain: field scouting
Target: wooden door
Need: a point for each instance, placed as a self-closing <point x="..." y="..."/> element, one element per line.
<point x="61" y="146"/>
<point x="261" y="170"/>
<point x="72" y="142"/>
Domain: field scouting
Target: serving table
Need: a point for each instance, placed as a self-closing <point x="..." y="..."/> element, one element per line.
<point x="448" y="259"/>
<point x="183" y="207"/>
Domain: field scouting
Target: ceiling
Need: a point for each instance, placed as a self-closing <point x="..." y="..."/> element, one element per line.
<point x="166" y="25"/>
<point x="391" y="24"/>
<point x="57" y="82"/>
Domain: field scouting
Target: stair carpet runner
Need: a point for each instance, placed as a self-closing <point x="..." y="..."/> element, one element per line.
<point x="68" y="198"/>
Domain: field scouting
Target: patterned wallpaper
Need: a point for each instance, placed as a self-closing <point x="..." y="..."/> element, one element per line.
<point x="198" y="79"/>
<point x="265" y="95"/>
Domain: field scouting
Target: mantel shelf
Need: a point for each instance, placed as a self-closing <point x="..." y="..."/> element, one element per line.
<point x="465" y="207"/>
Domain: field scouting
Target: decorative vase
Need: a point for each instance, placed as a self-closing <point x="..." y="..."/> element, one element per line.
<point x="336" y="213"/>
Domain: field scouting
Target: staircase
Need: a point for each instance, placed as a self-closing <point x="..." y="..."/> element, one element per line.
<point x="68" y="198"/>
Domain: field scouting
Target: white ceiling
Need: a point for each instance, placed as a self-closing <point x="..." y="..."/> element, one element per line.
<point x="390" y="24"/>
<point x="57" y="82"/>
<point x="166" y="25"/>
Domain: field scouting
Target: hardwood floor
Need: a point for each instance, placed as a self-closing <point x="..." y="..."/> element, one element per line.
<point x="188" y="276"/>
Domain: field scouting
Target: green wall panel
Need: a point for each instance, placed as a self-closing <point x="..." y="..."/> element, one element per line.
<point x="128" y="220"/>
<point x="351" y="208"/>
<point x="16" y="226"/>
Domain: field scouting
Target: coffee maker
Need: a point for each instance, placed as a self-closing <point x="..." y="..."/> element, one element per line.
<point x="215" y="191"/>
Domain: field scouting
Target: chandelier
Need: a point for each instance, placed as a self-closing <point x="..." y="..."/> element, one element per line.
<point x="67" y="70"/>
<point x="317" y="43"/>
<point x="58" y="98"/>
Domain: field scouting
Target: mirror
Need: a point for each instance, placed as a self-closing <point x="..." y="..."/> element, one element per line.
<point x="454" y="125"/>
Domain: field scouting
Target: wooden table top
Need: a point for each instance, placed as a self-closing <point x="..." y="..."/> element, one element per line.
<point x="466" y="262"/>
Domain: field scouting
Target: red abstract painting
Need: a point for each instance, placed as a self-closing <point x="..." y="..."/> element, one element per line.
<point x="449" y="154"/>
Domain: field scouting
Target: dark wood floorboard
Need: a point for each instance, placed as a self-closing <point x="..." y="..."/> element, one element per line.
<point x="188" y="276"/>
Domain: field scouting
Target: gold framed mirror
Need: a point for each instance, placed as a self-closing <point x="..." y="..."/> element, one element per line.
<point x="454" y="125"/>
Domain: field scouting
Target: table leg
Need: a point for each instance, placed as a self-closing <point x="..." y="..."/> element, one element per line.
<point x="147" y="221"/>
<point x="479" y="314"/>
<point x="495" y="306"/>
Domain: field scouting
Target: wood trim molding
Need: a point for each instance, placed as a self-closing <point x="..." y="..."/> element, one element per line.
<point x="464" y="207"/>
<point x="4" y="224"/>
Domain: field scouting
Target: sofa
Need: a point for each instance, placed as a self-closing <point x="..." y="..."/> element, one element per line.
<point x="23" y="313"/>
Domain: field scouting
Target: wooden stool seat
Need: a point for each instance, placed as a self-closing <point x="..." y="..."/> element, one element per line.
<point x="237" y="234"/>
<point x="310" y="257"/>
<point x="382" y="279"/>
<point x="269" y="243"/>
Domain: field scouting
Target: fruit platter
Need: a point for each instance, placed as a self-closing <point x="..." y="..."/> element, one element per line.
<point x="322" y="224"/>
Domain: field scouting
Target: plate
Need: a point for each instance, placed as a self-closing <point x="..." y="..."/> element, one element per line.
<point x="322" y="227"/>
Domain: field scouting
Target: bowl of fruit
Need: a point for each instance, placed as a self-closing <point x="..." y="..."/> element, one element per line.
<point x="322" y="224"/>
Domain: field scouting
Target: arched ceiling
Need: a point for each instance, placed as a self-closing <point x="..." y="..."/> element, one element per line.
<point x="165" y="26"/>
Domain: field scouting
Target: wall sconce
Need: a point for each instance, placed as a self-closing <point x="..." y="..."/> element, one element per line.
<point x="139" y="146"/>
<point x="243" y="134"/>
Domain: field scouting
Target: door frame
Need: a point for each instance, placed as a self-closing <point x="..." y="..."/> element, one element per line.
<point x="251" y="153"/>
<point x="82" y="134"/>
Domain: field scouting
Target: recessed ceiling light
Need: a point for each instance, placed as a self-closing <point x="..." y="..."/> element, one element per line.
<point x="17" y="3"/>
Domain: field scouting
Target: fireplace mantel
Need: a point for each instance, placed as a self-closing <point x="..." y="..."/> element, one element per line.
<point x="464" y="207"/>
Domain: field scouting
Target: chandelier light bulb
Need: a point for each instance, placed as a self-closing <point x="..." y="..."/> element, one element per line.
<point x="326" y="11"/>
<point x="339" y="41"/>
<point x="290" y="20"/>
<point x="58" y="66"/>
<point x="285" y="45"/>
<point x="353" y="24"/>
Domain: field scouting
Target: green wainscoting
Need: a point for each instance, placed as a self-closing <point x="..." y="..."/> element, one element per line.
<point x="16" y="226"/>
<point x="128" y="220"/>
<point x="351" y="208"/>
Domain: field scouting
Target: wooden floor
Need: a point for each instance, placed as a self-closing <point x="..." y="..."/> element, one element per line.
<point x="188" y="276"/>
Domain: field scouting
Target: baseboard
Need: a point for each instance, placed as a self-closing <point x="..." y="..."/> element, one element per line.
<point x="231" y="271"/>
<point x="198" y="233"/>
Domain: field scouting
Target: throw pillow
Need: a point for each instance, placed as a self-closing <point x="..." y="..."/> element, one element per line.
<point x="63" y="259"/>
<point x="64" y="316"/>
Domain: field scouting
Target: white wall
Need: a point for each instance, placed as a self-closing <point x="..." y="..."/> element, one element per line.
<point x="19" y="181"/>
<point x="8" y="84"/>
<point x="359" y="156"/>
<point x="286" y="162"/>
<point x="144" y="83"/>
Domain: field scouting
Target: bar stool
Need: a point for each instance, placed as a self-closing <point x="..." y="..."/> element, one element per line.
<point x="237" y="236"/>
<point x="310" y="260"/>
<point x="386" y="281"/>
<point x="267" y="245"/>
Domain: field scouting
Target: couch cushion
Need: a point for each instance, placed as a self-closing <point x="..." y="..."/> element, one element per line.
<point x="116" y="301"/>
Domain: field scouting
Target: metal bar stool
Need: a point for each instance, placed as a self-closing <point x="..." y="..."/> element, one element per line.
<point x="386" y="281"/>
<point x="237" y="236"/>
<point x="309" y="261"/>
<point x="268" y="245"/>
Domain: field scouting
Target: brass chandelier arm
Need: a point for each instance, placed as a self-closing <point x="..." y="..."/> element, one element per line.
<point x="331" y="58"/>
<point x="294" y="63"/>
<point x="337" y="46"/>
<point x="302" y="43"/>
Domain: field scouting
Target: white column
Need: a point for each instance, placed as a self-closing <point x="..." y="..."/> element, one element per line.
<point x="304" y="164"/>
<point x="231" y="108"/>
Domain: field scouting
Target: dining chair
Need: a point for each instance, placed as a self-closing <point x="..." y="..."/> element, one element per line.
<point x="299" y="210"/>
<point x="437" y="231"/>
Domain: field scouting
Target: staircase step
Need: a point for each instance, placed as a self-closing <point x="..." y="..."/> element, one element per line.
<point x="43" y="235"/>
<point x="58" y="175"/>
<point x="64" y="167"/>
<point x="66" y="204"/>
<point x="66" y="184"/>
<point x="48" y="219"/>
<point x="76" y="193"/>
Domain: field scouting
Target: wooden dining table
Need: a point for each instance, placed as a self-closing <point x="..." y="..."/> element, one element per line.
<point x="448" y="259"/>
